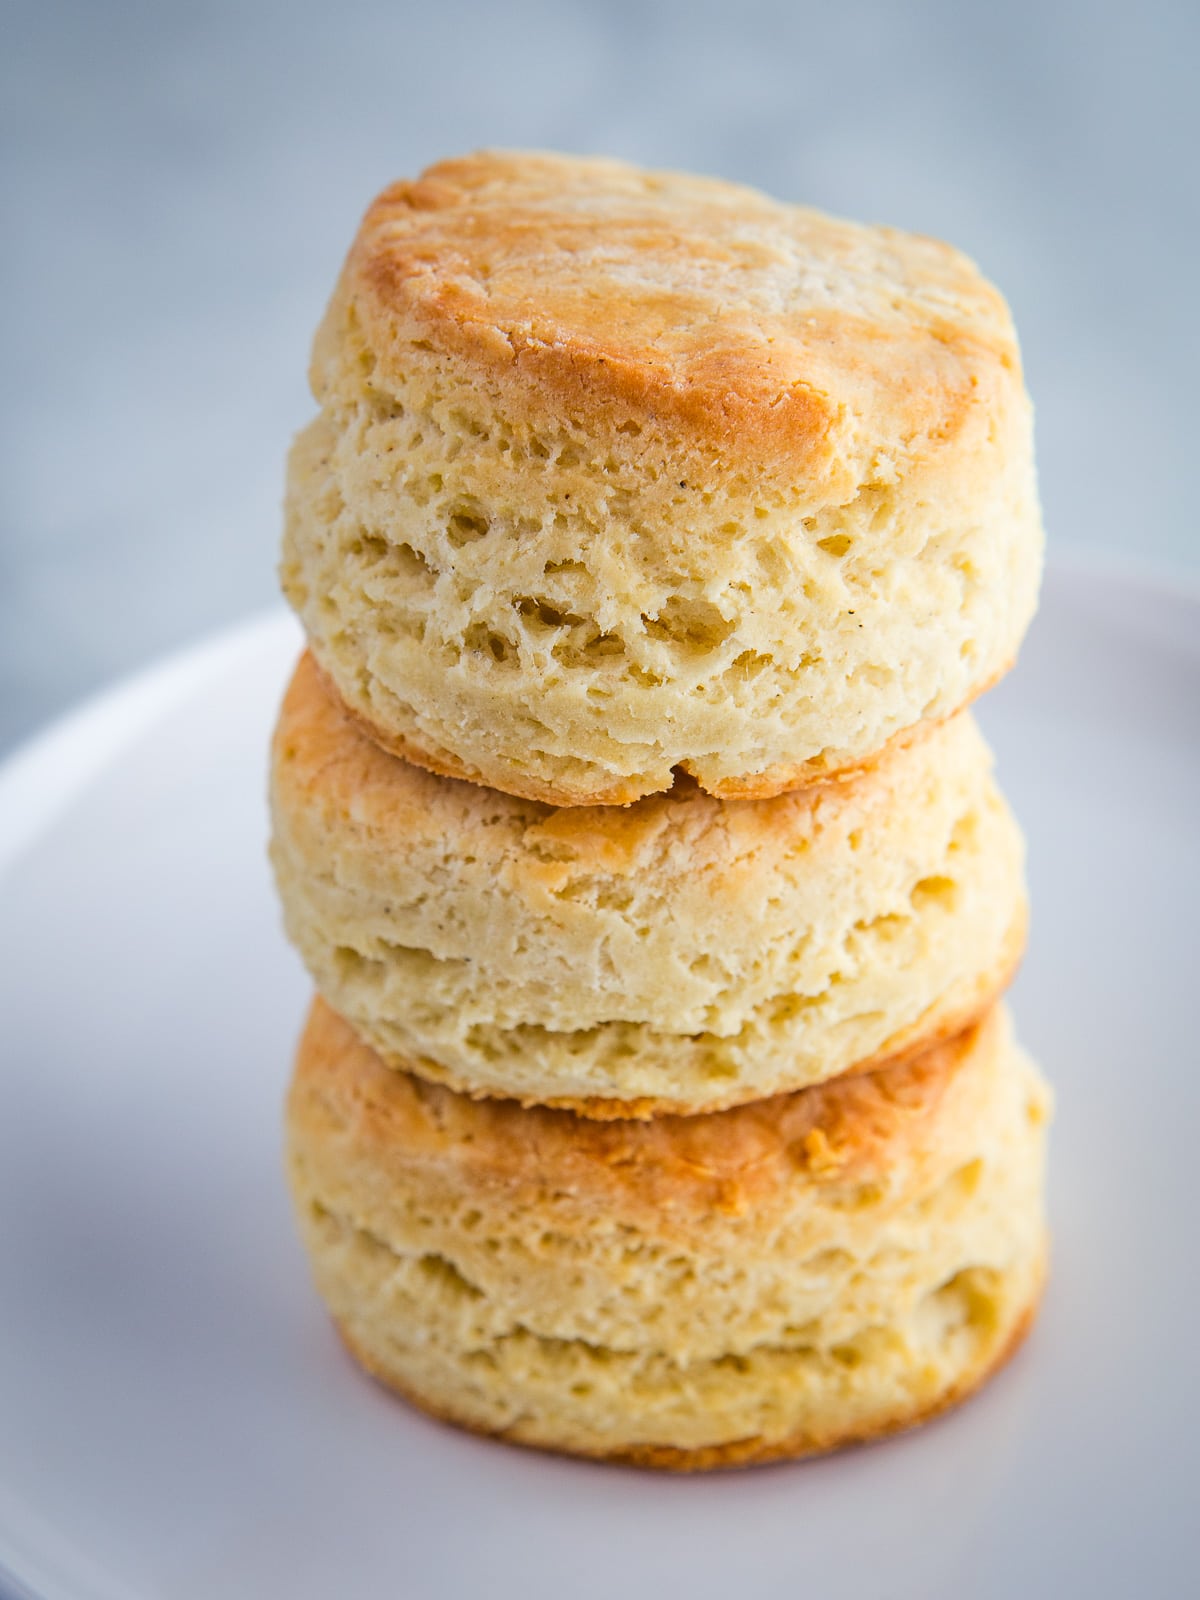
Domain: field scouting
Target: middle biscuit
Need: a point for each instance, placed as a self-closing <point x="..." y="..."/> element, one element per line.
<point x="681" y="954"/>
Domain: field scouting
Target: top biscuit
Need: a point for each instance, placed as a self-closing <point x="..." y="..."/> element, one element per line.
<point x="619" y="472"/>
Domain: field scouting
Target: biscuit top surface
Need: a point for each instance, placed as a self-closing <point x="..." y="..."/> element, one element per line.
<point x="848" y="1131"/>
<point x="702" y="307"/>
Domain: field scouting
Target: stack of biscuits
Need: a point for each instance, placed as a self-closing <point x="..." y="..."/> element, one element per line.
<point x="651" y="542"/>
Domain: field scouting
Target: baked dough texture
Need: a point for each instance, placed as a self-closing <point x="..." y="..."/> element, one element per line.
<point x="684" y="953"/>
<point x="620" y="473"/>
<point x="689" y="1292"/>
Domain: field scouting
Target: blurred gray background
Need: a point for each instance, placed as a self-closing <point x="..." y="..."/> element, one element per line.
<point x="179" y="182"/>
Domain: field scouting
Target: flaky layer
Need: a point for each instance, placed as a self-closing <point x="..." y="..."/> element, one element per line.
<point x="773" y="1279"/>
<point x="684" y="953"/>
<point x="618" y="473"/>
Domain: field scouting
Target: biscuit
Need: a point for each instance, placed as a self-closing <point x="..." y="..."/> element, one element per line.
<point x="689" y="1292"/>
<point x="684" y="953"/>
<point x="619" y="474"/>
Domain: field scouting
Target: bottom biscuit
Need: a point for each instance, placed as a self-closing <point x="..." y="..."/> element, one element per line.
<point x="776" y="1280"/>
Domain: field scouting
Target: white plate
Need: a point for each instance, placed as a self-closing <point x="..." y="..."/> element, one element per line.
<point x="177" y="1421"/>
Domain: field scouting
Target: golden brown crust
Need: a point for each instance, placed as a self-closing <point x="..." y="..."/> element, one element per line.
<point x="751" y="1452"/>
<point x="767" y="785"/>
<point x="728" y="1161"/>
<point x="719" y="313"/>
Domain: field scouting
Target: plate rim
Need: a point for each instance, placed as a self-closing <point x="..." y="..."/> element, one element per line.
<point x="45" y="773"/>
